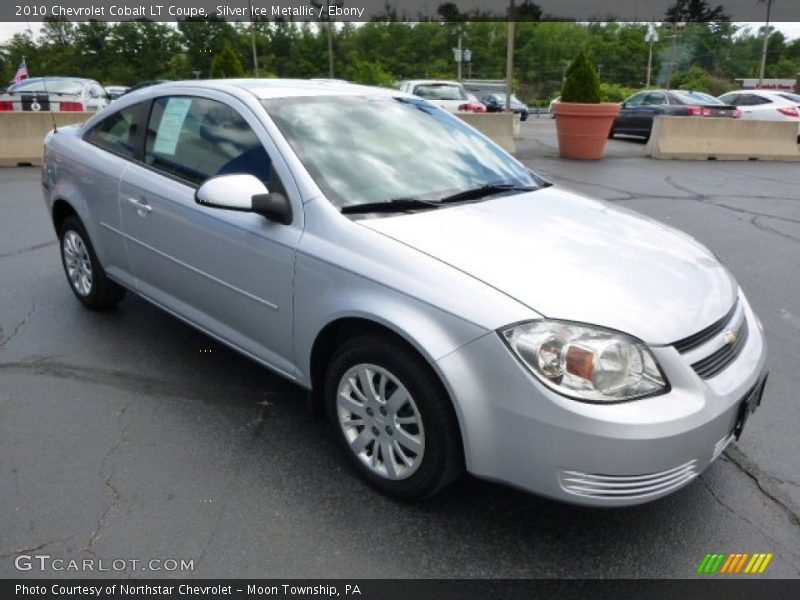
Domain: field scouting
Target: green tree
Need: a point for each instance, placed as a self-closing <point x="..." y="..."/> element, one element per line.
<point x="582" y="83"/>
<point x="227" y="64"/>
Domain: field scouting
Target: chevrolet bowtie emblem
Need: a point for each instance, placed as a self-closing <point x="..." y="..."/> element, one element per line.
<point x="731" y="337"/>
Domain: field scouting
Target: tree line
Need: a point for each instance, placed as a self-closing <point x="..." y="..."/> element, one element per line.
<point x="705" y="55"/>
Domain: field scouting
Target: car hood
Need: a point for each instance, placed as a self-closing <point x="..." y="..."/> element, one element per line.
<point x="569" y="257"/>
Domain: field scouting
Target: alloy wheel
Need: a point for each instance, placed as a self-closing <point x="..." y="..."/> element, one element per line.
<point x="380" y="421"/>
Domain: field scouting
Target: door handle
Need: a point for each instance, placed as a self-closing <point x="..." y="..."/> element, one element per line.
<point x="141" y="206"/>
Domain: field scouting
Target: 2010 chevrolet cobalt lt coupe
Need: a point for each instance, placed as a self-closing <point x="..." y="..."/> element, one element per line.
<point x="449" y="308"/>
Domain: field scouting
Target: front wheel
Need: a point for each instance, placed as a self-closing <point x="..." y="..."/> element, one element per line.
<point x="86" y="277"/>
<point x="393" y="418"/>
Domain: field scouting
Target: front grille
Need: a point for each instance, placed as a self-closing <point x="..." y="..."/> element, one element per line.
<point x="715" y="363"/>
<point x="627" y="487"/>
<point x="701" y="337"/>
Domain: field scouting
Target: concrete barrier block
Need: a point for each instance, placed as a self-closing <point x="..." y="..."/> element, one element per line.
<point x="22" y="134"/>
<point x="695" y="138"/>
<point x="499" y="127"/>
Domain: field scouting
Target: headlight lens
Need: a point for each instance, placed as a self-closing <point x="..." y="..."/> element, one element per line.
<point x="586" y="363"/>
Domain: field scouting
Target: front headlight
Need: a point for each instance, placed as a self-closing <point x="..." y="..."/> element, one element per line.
<point x="586" y="363"/>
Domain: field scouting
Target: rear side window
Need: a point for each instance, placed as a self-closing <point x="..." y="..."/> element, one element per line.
<point x="195" y="139"/>
<point x="655" y="99"/>
<point x="117" y="132"/>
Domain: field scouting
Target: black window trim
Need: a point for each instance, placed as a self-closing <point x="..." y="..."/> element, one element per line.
<point x="139" y="137"/>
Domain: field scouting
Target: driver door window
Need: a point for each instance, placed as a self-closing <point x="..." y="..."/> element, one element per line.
<point x="193" y="139"/>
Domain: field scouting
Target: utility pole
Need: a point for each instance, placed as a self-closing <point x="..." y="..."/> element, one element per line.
<point x="651" y="36"/>
<point x="673" y="37"/>
<point x="459" y="54"/>
<point x="327" y="6"/>
<point x="253" y="37"/>
<point x="510" y="55"/>
<point x="766" y="44"/>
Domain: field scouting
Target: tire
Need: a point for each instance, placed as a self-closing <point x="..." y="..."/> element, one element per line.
<point x="524" y="117"/>
<point x="409" y="448"/>
<point x="85" y="275"/>
<point x="611" y="133"/>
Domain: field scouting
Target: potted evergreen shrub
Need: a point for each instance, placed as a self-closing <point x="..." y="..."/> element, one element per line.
<point x="582" y="120"/>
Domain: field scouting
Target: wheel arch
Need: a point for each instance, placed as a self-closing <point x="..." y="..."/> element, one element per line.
<point x="339" y="330"/>
<point x="62" y="210"/>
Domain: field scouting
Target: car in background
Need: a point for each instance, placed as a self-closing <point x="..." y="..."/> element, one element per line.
<point x="115" y="91"/>
<point x="638" y="112"/>
<point x="449" y="95"/>
<point x="550" y="110"/>
<point x="58" y="94"/>
<point x="144" y="84"/>
<point x="762" y="104"/>
<point x="496" y="102"/>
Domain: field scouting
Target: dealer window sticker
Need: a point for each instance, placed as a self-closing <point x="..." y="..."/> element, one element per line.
<point x="169" y="129"/>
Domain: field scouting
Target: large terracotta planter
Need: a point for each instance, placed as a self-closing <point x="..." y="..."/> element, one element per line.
<point x="583" y="128"/>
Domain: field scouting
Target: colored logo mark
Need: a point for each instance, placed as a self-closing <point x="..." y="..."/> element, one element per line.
<point x="734" y="562"/>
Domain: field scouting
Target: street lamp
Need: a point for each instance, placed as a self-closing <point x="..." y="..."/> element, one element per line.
<point x="651" y="36"/>
<point x="253" y="37"/>
<point x="766" y="42"/>
<point x="328" y="4"/>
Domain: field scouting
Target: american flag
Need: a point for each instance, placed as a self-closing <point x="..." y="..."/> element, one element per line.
<point x="22" y="73"/>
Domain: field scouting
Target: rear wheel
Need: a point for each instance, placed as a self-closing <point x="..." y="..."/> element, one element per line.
<point x="393" y="418"/>
<point x="86" y="277"/>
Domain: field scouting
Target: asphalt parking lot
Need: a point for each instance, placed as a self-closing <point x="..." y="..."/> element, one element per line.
<point x="130" y="435"/>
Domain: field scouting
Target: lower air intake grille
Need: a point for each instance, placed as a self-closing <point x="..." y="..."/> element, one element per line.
<point x="626" y="487"/>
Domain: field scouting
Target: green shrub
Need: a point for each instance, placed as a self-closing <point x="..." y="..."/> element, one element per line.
<point x="227" y="64"/>
<point x="611" y="92"/>
<point x="582" y="83"/>
<point x="697" y="79"/>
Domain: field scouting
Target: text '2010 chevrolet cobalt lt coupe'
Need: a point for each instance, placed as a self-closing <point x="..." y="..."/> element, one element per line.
<point x="449" y="308"/>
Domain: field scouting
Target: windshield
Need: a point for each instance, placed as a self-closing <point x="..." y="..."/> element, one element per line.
<point x="52" y="86"/>
<point x="695" y="97"/>
<point x="502" y="98"/>
<point x="791" y="97"/>
<point x="377" y="148"/>
<point x="440" y="91"/>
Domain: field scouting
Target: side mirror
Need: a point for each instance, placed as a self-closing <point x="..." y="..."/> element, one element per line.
<point x="244" y="193"/>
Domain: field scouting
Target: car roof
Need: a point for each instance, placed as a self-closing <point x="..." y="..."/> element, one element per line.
<point x="57" y="78"/>
<point x="774" y="93"/>
<point x="434" y="82"/>
<point x="264" y="89"/>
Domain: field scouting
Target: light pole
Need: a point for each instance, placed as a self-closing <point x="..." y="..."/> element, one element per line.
<point x="510" y="54"/>
<point x="328" y="5"/>
<point x="766" y="43"/>
<point x="253" y="37"/>
<point x="461" y="55"/>
<point x="674" y="37"/>
<point x="650" y="37"/>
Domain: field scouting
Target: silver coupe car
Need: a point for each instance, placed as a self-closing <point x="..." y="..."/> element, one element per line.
<point x="447" y="307"/>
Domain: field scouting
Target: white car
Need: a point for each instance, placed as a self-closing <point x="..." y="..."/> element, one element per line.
<point x="58" y="94"/>
<point x="762" y="104"/>
<point x="115" y="91"/>
<point x="555" y="100"/>
<point x="449" y="95"/>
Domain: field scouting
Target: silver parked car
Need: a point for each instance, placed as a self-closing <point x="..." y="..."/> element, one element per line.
<point x="59" y="94"/>
<point x="449" y="308"/>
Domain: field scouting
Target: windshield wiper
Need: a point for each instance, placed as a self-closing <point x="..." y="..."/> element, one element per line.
<point x="486" y="190"/>
<point x="394" y="205"/>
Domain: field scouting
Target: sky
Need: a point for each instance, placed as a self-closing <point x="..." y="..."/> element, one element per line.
<point x="789" y="29"/>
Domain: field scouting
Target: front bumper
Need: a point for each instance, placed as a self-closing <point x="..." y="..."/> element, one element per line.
<point x="517" y="431"/>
